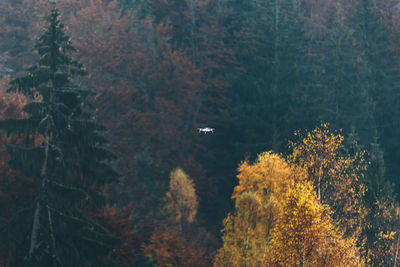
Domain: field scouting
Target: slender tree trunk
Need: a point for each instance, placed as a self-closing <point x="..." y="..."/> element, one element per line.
<point x="35" y="229"/>
<point x="36" y="219"/>
<point x="190" y="5"/>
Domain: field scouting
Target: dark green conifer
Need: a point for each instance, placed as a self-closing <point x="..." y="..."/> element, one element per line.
<point x="382" y="76"/>
<point x="343" y="98"/>
<point x="381" y="207"/>
<point x="272" y="50"/>
<point x="69" y="166"/>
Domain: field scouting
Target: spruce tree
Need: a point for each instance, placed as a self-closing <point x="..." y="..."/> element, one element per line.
<point x="272" y="49"/>
<point x="343" y="98"/>
<point x="381" y="205"/>
<point x="69" y="166"/>
<point x="381" y="76"/>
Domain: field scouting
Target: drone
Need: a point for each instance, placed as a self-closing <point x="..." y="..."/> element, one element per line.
<point x="206" y="130"/>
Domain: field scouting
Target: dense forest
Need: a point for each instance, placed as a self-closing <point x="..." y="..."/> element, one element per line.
<point x="103" y="161"/>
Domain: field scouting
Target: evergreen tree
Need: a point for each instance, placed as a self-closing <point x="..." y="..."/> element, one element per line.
<point x="140" y="8"/>
<point x="381" y="75"/>
<point x="381" y="207"/>
<point x="272" y="49"/>
<point x="375" y="177"/>
<point x="69" y="166"/>
<point x="342" y="97"/>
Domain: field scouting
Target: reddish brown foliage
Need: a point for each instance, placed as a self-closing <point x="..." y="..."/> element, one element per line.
<point x="13" y="190"/>
<point x="155" y="89"/>
<point x="170" y="249"/>
<point x="118" y="222"/>
<point x="16" y="191"/>
<point x="19" y="26"/>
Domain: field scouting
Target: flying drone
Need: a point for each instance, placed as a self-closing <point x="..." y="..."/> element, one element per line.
<point x="206" y="130"/>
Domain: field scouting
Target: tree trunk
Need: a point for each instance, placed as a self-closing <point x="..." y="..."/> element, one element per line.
<point x="36" y="219"/>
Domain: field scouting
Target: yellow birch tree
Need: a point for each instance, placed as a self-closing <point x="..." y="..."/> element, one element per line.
<point x="304" y="234"/>
<point x="246" y="232"/>
<point x="337" y="177"/>
<point x="279" y="221"/>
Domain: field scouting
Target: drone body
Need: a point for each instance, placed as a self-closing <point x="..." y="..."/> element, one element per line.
<point x="206" y="130"/>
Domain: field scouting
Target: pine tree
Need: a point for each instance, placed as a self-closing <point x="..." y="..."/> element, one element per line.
<point x="69" y="166"/>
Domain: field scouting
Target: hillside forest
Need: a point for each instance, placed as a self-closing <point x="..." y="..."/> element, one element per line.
<point x="105" y="157"/>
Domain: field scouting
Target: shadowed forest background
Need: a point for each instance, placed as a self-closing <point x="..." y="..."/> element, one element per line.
<point x="303" y="166"/>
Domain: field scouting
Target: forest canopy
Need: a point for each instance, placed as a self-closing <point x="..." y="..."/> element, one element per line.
<point x="102" y="162"/>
